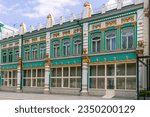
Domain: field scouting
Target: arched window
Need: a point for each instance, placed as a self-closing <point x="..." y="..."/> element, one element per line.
<point x="34" y="52"/>
<point x="127" y="38"/>
<point x="27" y="57"/>
<point x="96" y="40"/>
<point x="56" y="48"/>
<point x="111" y="40"/>
<point x="66" y="47"/>
<point x="42" y="51"/>
<point x="77" y="45"/>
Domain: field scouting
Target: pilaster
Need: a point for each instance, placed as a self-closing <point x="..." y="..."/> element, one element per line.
<point x="85" y="61"/>
<point x="47" y="65"/>
<point x="19" y="70"/>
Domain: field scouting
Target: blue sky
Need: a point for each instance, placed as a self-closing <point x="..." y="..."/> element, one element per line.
<point x="32" y="12"/>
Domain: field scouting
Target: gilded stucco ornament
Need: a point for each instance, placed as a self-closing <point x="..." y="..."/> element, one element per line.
<point x="85" y="58"/>
<point x="140" y="49"/>
<point x="86" y="4"/>
<point x="47" y="60"/>
<point x="146" y="12"/>
<point x="19" y="62"/>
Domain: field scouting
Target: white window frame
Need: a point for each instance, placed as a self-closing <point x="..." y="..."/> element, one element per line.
<point x="34" y="52"/>
<point x="111" y="40"/>
<point x="77" y="45"/>
<point x="56" y="49"/>
<point x="127" y="35"/>
<point x="66" y="47"/>
<point x="96" y="38"/>
<point x="42" y="51"/>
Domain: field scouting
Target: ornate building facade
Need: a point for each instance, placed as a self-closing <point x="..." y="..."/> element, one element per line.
<point x="91" y="55"/>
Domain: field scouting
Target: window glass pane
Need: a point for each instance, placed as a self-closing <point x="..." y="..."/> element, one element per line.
<point x="65" y="82"/>
<point x="58" y="82"/>
<point x="110" y="83"/>
<point x="10" y="56"/>
<point x="65" y="72"/>
<point x="39" y="73"/>
<point x="94" y="46"/>
<point x="78" y="71"/>
<point x="110" y="70"/>
<point x="59" y="72"/>
<point x="130" y="41"/>
<point x="14" y="74"/>
<point x="101" y="83"/>
<point x="113" y="44"/>
<point x="131" y="69"/>
<point x="73" y="71"/>
<point x="29" y="73"/>
<point x="53" y="82"/>
<point x="42" y="51"/>
<point x="98" y="46"/>
<point x="120" y="83"/>
<point x="53" y="72"/>
<point x="131" y="83"/>
<point x="34" y="73"/>
<point x="78" y="82"/>
<point x="92" y="82"/>
<point x="101" y="70"/>
<point x="124" y="42"/>
<point x="108" y="44"/>
<point x="73" y="83"/>
<point x="120" y="69"/>
<point x="93" y="70"/>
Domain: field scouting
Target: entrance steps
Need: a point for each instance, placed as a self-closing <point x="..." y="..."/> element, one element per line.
<point x="109" y="94"/>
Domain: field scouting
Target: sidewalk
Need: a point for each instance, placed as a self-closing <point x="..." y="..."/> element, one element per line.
<point x="33" y="96"/>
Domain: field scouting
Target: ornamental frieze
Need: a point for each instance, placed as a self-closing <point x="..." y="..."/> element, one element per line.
<point x="111" y="23"/>
<point x="127" y="19"/>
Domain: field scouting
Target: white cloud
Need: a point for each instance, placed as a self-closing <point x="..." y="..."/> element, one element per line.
<point x="5" y="10"/>
<point x="55" y="7"/>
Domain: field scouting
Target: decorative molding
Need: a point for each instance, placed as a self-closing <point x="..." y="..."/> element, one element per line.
<point x="34" y="39"/>
<point x="47" y="60"/>
<point x="65" y="33"/>
<point x="103" y="29"/>
<point x="42" y="38"/>
<point x="112" y="62"/>
<point x="85" y="59"/>
<point x="118" y="26"/>
<point x="111" y="23"/>
<point x="146" y="12"/>
<point x="55" y="35"/>
<point x="77" y="30"/>
<point x="127" y="19"/>
<point x="133" y="23"/>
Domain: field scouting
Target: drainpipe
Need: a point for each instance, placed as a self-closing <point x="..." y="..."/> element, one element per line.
<point x="78" y="22"/>
<point x="21" y="80"/>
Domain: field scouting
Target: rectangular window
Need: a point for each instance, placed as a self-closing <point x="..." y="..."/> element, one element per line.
<point x="120" y="69"/>
<point x="97" y="76"/>
<point x="110" y="70"/>
<point x="34" y="52"/>
<point x="42" y="51"/>
<point x="120" y="82"/>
